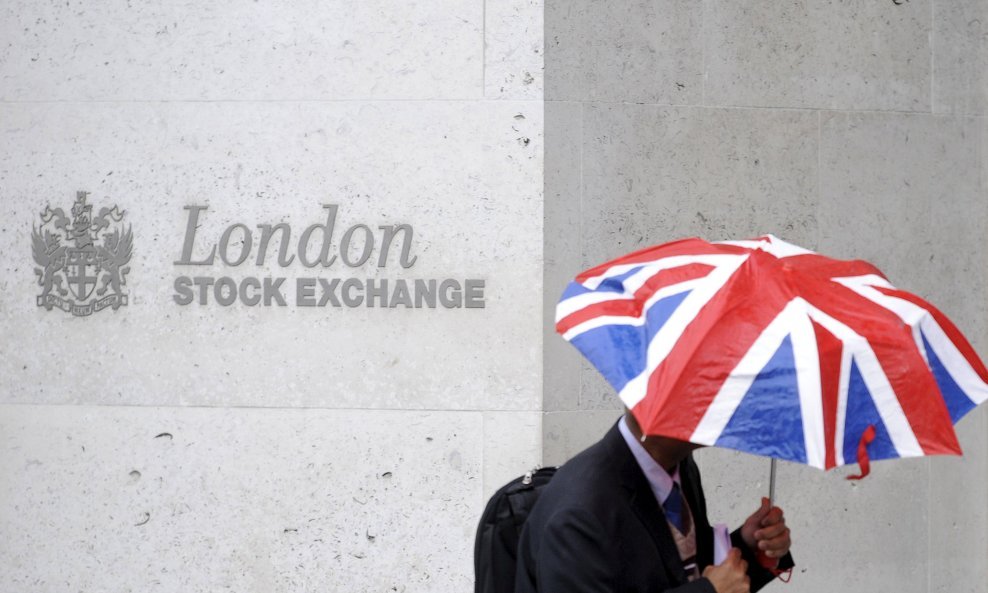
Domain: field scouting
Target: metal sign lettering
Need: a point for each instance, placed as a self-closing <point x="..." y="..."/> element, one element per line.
<point x="314" y="248"/>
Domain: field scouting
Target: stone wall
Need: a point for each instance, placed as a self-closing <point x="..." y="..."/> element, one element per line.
<point x="854" y="128"/>
<point x="184" y="442"/>
<point x="197" y="441"/>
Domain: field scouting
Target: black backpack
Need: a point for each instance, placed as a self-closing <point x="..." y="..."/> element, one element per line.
<point x="495" y="553"/>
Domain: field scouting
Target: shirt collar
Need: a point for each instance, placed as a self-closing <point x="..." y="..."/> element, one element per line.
<point x="658" y="478"/>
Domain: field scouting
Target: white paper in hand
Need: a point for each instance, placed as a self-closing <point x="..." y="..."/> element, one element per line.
<point x="722" y="542"/>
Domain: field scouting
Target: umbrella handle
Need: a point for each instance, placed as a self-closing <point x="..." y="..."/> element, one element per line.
<point x="771" y="563"/>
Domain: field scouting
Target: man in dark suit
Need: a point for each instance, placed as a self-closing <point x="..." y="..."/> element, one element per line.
<point x="628" y="515"/>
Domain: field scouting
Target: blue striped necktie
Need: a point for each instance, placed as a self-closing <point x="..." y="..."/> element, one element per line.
<point x="673" y="507"/>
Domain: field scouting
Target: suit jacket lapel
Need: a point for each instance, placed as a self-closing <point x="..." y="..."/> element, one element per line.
<point x="645" y="506"/>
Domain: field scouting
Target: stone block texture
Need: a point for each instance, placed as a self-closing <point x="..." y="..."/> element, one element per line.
<point x="266" y="50"/>
<point x="210" y="499"/>
<point x="856" y="129"/>
<point x="624" y="51"/>
<point x="280" y="448"/>
<point x="513" y="50"/>
<point x="960" y="57"/>
<point x="832" y="54"/>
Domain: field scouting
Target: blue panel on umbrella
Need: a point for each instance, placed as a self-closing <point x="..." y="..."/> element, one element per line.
<point x="612" y="284"/>
<point x="756" y="425"/>
<point x="861" y="412"/>
<point x="958" y="403"/>
<point x="660" y="312"/>
<point x="619" y="351"/>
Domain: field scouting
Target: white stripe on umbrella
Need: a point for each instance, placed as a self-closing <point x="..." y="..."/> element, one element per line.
<point x="632" y="283"/>
<point x="844" y="334"/>
<point x="662" y="343"/>
<point x="601" y="321"/>
<point x="886" y="402"/>
<point x="919" y="318"/>
<point x="956" y="364"/>
<point x="843" y="387"/>
<point x="770" y="244"/>
<point x="791" y="321"/>
<point x="810" y="386"/>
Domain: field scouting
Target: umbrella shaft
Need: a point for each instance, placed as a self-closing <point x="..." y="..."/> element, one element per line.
<point x="771" y="484"/>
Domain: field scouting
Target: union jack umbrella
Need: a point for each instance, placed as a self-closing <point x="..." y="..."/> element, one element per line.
<point x="765" y="347"/>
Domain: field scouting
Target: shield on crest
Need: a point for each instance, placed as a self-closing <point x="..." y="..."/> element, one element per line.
<point x="81" y="271"/>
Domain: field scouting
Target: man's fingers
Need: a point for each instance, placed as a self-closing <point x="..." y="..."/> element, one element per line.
<point x="735" y="561"/>
<point x="730" y="576"/>
<point x="774" y="541"/>
<point x="771" y="531"/>
<point x="764" y="509"/>
<point x="776" y="546"/>
<point x="771" y="516"/>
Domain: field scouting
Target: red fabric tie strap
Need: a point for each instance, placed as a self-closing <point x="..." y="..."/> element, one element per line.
<point x="866" y="438"/>
<point x="770" y="565"/>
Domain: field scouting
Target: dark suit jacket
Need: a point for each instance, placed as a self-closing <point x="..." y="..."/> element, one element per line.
<point x="598" y="528"/>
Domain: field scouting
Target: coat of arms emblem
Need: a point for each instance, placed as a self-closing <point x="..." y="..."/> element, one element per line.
<point x="83" y="260"/>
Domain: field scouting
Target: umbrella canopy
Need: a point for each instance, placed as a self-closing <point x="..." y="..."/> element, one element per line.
<point x="765" y="347"/>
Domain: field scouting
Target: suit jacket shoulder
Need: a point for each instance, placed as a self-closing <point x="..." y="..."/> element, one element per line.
<point x="598" y="527"/>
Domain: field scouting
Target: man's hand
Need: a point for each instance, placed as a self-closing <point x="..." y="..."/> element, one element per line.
<point x="731" y="575"/>
<point x="766" y="531"/>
